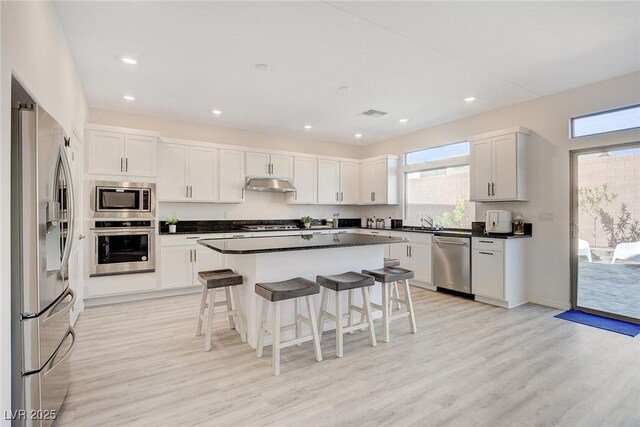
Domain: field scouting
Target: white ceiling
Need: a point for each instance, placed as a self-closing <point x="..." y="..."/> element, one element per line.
<point x="415" y="60"/>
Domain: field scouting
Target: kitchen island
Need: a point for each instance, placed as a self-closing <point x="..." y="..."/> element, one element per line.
<point x="273" y="259"/>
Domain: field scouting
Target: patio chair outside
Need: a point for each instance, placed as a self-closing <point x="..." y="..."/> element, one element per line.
<point x="626" y="251"/>
<point x="584" y="249"/>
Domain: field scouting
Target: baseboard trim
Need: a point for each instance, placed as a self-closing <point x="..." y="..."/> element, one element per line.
<point x="139" y="296"/>
<point x="551" y="304"/>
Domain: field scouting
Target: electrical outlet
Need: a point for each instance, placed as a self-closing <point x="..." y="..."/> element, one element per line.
<point x="545" y="216"/>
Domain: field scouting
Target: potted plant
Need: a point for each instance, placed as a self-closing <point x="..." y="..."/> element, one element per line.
<point x="306" y="220"/>
<point x="172" y="223"/>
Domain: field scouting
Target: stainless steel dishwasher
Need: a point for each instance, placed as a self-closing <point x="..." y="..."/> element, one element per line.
<point x="452" y="263"/>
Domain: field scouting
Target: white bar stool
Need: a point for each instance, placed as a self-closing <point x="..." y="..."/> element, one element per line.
<point x="347" y="282"/>
<point x="274" y="294"/>
<point x="392" y="276"/>
<point x="213" y="281"/>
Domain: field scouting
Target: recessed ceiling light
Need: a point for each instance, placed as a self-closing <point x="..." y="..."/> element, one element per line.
<point x="358" y="135"/>
<point x="403" y="120"/>
<point x="129" y="98"/>
<point x="128" y="60"/>
<point x="262" y="67"/>
<point x="344" y="88"/>
<point x="308" y="126"/>
<point x="470" y="99"/>
<point x="216" y="112"/>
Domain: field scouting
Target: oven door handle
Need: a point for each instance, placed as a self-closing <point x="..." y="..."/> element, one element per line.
<point x="132" y="230"/>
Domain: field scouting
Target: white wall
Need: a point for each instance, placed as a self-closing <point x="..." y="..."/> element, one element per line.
<point x="34" y="49"/>
<point x="548" y="118"/>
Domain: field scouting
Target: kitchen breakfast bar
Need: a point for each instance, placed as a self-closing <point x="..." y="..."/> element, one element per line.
<point x="275" y="259"/>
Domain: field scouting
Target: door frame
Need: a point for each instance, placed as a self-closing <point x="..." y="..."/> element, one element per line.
<point x="573" y="226"/>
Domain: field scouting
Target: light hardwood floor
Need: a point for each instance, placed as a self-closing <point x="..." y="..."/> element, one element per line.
<point x="140" y="364"/>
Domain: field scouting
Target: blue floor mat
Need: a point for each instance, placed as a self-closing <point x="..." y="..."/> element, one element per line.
<point x="613" y="325"/>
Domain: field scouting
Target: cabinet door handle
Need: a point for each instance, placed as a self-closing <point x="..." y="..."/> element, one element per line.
<point x="191" y="191"/>
<point x="485" y="253"/>
<point x="295" y="195"/>
<point x="190" y="255"/>
<point x="126" y="164"/>
<point x="407" y="251"/>
<point x="341" y="196"/>
<point x="371" y="197"/>
<point x="488" y="189"/>
<point x="486" y="241"/>
<point x="195" y="255"/>
<point x="410" y="252"/>
<point x="187" y="187"/>
<point x="121" y="164"/>
<point x="242" y="195"/>
<point x="337" y="196"/>
<point x="493" y="187"/>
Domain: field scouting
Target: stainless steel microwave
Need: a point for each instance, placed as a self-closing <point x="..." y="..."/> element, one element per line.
<point x="122" y="199"/>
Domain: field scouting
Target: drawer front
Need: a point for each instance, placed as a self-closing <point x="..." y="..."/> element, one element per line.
<point x="488" y="244"/>
<point x="187" y="239"/>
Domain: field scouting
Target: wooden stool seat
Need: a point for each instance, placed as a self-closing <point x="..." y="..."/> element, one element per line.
<point x="391" y="262"/>
<point x="390" y="274"/>
<point x="219" y="278"/>
<point x="287" y="289"/>
<point x="345" y="281"/>
<point x="274" y="294"/>
<point x="212" y="281"/>
<point x="340" y="283"/>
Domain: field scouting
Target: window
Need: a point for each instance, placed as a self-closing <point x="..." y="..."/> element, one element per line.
<point x="606" y="121"/>
<point x="437" y="153"/>
<point x="437" y="187"/>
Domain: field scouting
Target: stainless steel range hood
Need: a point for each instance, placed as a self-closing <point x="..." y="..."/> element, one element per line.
<point x="274" y="185"/>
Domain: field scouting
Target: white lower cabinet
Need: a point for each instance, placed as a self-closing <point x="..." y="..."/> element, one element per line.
<point x="414" y="255"/>
<point x="181" y="259"/>
<point x="498" y="273"/>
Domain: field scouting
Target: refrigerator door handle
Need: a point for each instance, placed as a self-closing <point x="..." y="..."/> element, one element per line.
<point x="71" y="332"/>
<point x="57" y="313"/>
<point x="70" y="211"/>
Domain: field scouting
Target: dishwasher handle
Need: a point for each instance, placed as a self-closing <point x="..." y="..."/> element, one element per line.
<point x="450" y="242"/>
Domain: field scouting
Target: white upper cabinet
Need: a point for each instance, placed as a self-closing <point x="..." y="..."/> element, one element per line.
<point x="106" y="153"/>
<point x="187" y="173"/>
<point x="231" y="175"/>
<point x="281" y="166"/>
<point x="173" y="174"/>
<point x="140" y="154"/>
<point x="272" y="165"/>
<point x="349" y="183"/>
<point x="203" y="174"/>
<point x="498" y="165"/>
<point x="328" y="182"/>
<point x="338" y="182"/>
<point x="305" y="179"/>
<point x="123" y="154"/>
<point x="379" y="182"/>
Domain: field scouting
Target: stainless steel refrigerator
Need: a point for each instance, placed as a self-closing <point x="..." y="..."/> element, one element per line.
<point x="41" y="236"/>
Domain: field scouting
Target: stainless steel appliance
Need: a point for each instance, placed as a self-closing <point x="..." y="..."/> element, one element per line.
<point x="273" y="185"/>
<point x="452" y="263"/>
<point x="270" y="227"/>
<point x="121" y="247"/>
<point x="122" y="199"/>
<point x="42" y="220"/>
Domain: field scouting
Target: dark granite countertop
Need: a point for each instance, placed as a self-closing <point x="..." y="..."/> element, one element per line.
<point x="259" y="245"/>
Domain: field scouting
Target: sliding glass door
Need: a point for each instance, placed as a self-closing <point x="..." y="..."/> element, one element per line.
<point x="605" y="231"/>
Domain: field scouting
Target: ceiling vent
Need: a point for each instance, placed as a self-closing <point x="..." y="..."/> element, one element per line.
<point x="373" y="113"/>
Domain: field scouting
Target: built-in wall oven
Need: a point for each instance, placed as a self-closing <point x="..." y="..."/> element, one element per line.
<point x="122" y="247"/>
<point x="122" y="199"/>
